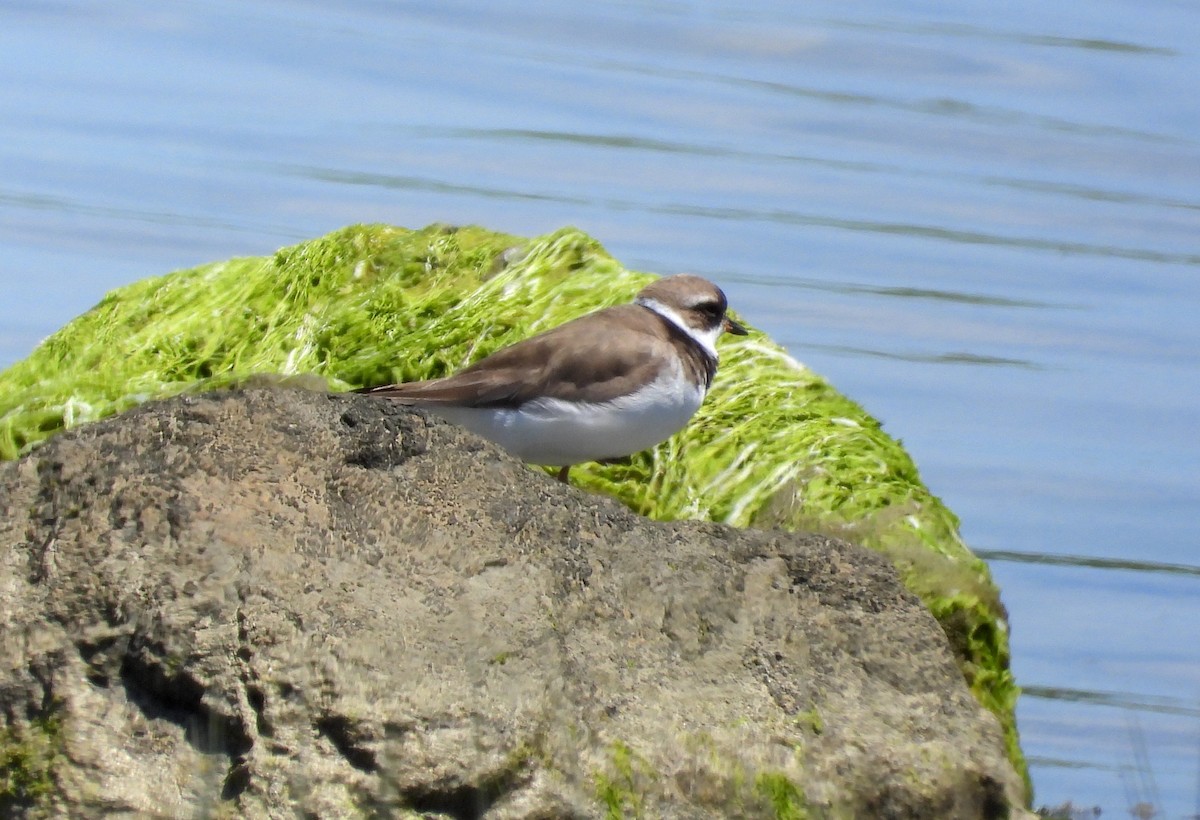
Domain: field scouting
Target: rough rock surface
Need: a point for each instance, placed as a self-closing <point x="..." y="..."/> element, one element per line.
<point x="276" y="603"/>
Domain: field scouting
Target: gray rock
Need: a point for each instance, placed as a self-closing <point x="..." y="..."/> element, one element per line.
<point x="275" y="603"/>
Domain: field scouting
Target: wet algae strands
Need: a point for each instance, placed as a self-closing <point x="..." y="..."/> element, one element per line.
<point x="773" y="445"/>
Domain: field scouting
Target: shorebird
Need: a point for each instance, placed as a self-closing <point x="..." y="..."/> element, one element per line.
<point x="600" y="387"/>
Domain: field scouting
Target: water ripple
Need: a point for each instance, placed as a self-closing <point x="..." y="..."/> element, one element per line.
<point x="1118" y="700"/>
<point x="1091" y="562"/>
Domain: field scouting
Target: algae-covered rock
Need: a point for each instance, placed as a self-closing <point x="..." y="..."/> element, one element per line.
<point x="773" y="445"/>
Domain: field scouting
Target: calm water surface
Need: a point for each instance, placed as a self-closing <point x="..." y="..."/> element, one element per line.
<point x="980" y="220"/>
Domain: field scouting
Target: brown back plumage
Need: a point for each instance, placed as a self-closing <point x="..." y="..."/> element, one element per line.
<point x="595" y="358"/>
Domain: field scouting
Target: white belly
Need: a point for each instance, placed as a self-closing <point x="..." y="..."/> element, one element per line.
<point x="558" y="433"/>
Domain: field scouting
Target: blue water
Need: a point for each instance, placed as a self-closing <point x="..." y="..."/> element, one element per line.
<point x="982" y="221"/>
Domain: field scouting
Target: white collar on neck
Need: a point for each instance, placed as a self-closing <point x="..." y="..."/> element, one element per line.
<point x="707" y="339"/>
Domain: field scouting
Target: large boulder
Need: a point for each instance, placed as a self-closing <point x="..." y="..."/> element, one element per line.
<point x="280" y="603"/>
<point x="773" y="446"/>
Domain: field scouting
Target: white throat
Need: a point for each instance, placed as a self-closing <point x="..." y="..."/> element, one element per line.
<point x="707" y="339"/>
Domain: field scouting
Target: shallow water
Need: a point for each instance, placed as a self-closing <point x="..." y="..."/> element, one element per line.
<point x="980" y="221"/>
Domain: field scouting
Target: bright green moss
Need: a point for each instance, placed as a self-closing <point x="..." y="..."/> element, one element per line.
<point x="773" y="445"/>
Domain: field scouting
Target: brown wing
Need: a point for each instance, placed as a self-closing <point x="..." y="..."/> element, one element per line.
<point x="594" y="358"/>
<point x="454" y="390"/>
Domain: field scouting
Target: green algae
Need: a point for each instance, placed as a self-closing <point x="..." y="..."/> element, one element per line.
<point x="627" y="777"/>
<point x="783" y="796"/>
<point x="620" y="788"/>
<point x="27" y="758"/>
<point x="774" y="444"/>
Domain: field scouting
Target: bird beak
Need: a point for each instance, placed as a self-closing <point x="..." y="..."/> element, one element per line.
<point x="730" y="326"/>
